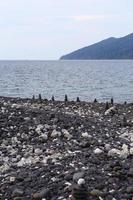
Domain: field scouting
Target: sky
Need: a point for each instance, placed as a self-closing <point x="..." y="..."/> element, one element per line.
<point x="48" y="29"/>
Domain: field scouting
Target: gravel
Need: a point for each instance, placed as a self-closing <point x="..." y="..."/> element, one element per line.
<point x="46" y="147"/>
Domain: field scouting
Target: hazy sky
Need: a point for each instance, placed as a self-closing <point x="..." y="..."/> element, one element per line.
<point x="47" y="29"/>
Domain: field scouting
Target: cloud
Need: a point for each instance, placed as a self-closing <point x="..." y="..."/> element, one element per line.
<point x="88" y="17"/>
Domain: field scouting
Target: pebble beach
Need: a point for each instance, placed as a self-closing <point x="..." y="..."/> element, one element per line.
<point x="48" y="146"/>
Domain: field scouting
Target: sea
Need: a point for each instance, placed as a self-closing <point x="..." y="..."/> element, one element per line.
<point x="86" y="79"/>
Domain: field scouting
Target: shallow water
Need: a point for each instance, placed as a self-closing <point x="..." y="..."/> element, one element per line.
<point x="86" y="79"/>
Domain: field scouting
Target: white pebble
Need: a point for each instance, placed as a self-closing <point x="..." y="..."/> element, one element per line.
<point x="131" y="151"/>
<point x="12" y="179"/>
<point x="55" y="134"/>
<point x="44" y="136"/>
<point x="114" y="152"/>
<point x="39" y="128"/>
<point x="26" y="118"/>
<point x="107" y="147"/>
<point x="120" y="153"/>
<point x="66" y="134"/>
<point x="81" y="181"/>
<point x="38" y="151"/>
<point x="110" y="110"/>
<point x="86" y="135"/>
<point x="124" y="153"/>
<point x="98" y="151"/>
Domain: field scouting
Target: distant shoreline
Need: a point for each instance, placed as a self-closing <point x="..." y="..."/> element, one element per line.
<point x="45" y="100"/>
<point x="63" y="60"/>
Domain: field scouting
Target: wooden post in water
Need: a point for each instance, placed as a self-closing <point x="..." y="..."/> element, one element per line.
<point x="53" y="99"/>
<point x="33" y="97"/>
<point x="125" y="103"/>
<point x="112" y="101"/>
<point x="66" y="98"/>
<point x="40" y="98"/>
<point x="78" y="100"/>
<point x="95" y="100"/>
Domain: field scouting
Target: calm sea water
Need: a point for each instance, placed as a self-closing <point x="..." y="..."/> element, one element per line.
<point x="86" y="79"/>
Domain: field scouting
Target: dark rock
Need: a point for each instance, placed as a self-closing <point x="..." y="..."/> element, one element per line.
<point x="68" y="177"/>
<point x="78" y="175"/>
<point x="85" y="144"/>
<point x="130" y="172"/>
<point x="96" y="192"/>
<point x="107" y="106"/>
<point x="129" y="189"/>
<point x="17" y="192"/>
<point x="79" y="192"/>
<point x="44" y="193"/>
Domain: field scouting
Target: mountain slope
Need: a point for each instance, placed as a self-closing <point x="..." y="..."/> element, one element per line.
<point x="111" y="48"/>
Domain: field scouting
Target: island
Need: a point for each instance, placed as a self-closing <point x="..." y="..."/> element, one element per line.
<point x="111" y="48"/>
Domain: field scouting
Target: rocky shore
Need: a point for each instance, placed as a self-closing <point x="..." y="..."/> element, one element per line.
<point x="47" y="146"/>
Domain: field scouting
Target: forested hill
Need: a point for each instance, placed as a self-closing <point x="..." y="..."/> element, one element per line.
<point x="111" y="48"/>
